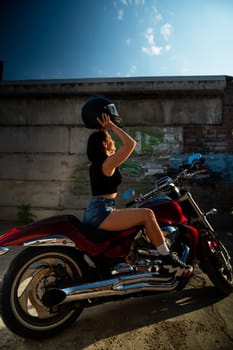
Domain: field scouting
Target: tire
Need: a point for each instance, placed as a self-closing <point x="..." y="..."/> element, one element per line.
<point x="219" y="270"/>
<point x="24" y="284"/>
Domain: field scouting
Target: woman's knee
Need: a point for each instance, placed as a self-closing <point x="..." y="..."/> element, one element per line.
<point x="148" y="214"/>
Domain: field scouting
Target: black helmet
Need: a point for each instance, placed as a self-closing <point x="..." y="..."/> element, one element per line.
<point x="94" y="108"/>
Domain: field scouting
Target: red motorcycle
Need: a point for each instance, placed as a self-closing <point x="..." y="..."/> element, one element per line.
<point x="56" y="267"/>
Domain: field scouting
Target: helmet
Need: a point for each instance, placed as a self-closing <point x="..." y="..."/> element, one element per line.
<point x="94" y="108"/>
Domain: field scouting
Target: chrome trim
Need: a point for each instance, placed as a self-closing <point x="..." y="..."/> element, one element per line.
<point x="122" y="268"/>
<point x="51" y="240"/>
<point x="121" y="285"/>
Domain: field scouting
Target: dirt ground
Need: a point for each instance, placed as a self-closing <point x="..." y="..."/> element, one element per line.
<point x="195" y="318"/>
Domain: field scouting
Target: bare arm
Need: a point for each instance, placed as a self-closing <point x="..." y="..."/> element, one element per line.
<point x="123" y="153"/>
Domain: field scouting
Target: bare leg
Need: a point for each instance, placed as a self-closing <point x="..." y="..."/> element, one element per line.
<point x="121" y="219"/>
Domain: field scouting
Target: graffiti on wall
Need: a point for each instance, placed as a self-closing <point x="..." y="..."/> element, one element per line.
<point x="160" y="150"/>
<point x="154" y="145"/>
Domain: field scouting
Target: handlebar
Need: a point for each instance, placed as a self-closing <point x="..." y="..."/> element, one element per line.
<point x="142" y="197"/>
<point x="166" y="183"/>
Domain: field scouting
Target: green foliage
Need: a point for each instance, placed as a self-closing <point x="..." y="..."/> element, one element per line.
<point x="150" y="140"/>
<point x="131" y="168"/>
<point x="24" y="214"/>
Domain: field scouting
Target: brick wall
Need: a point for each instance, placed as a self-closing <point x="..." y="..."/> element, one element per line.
<point x="211" y="138"/>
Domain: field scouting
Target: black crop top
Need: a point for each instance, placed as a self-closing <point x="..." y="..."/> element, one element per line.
<point x="102" y="184"/>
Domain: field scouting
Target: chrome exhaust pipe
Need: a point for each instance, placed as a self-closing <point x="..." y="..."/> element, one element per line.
<point x="121" y="285"/>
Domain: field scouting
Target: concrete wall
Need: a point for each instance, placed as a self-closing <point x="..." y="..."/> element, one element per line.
<point x="43" y="140"/>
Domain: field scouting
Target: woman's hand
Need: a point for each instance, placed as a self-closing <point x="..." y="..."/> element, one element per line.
<point x="106" y="122"/>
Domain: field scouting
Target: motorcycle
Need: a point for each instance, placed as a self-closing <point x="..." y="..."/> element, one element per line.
<point x="56" y="267"/>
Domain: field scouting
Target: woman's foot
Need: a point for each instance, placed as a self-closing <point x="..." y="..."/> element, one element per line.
<point x="173" y="264"/>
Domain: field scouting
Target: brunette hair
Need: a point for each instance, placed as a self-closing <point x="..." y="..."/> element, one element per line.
<point x="95" y="148"/>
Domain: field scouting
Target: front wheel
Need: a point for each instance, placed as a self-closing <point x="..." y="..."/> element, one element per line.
<point x="24" y="284"/>
<point x="219" y="269"/>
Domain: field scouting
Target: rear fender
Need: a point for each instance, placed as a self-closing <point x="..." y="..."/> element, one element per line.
<point x="8" y="253"/>
<point x="56" y="226"/>
<point x="17" y="237"/>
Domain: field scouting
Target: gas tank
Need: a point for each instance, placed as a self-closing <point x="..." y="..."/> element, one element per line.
<point x="167" y="211"/>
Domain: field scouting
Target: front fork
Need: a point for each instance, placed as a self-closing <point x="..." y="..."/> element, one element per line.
<point x="197" y="215"/>
<point x="212" y="250"/>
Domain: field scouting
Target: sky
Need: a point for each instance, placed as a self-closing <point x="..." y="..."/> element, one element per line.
<point x="72" y="39"/>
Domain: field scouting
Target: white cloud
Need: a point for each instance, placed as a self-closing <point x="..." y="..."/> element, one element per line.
<point x="166" y="30"/>
<point x="132" y="2"/>
<point x="158" y="17"/>
<point x="167" y="47"/>
<point x="139" y="2"/>
<point x="120" y="15"/>
<point x="152" y="49"/>
<point x="124" y="2"/>
<point x="150" y="36"/>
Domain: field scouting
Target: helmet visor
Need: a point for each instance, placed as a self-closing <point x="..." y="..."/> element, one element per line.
<point x="112" y="110"/>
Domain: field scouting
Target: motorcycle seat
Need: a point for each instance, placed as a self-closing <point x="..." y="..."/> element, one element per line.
<point x="98" y="235"/>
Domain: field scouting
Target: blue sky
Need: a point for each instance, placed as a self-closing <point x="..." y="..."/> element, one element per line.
<point x="71" y="39"/>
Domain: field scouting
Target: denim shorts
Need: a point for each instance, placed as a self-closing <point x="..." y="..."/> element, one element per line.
<point x="98" y="209"/>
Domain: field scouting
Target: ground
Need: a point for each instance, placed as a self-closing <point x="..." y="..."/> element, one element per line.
<point x="195" y="318"/>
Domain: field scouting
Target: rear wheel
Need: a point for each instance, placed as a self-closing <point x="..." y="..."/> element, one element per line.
<point x="25" y="282"/>
<point x="219" y="269"/>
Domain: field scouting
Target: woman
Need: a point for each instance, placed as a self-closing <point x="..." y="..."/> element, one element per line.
<point x="105" y="178"/>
